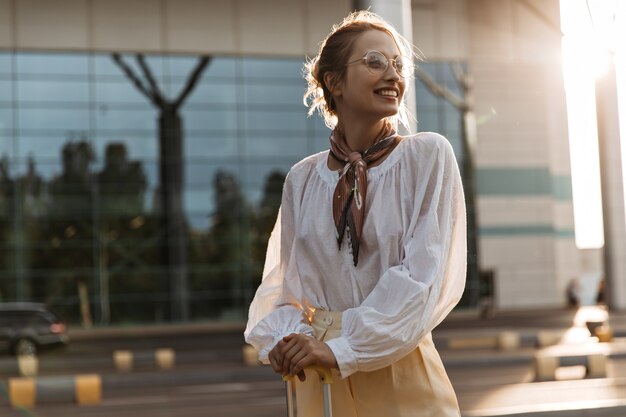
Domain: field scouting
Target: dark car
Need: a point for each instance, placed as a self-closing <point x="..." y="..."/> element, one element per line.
<point x="26" y="328"/>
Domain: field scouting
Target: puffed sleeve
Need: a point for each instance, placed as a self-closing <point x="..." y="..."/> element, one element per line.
<point x="410" y="299"/>
<point x="275" y="312"/>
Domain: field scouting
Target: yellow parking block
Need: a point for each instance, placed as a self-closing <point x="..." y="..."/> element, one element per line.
<point x="22" y="392"/>
<point x="88" y="389"/>
<point x="165" y="358"/>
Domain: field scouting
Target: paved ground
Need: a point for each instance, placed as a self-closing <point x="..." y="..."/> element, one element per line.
<point x="210" y="378"/>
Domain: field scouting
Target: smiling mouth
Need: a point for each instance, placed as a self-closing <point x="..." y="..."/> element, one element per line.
<point x="387" y="93"/>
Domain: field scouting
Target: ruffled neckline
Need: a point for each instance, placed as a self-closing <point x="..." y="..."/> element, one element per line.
<point x="331" y="177"/>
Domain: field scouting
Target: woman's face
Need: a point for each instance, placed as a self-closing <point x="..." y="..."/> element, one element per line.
<point x="363" y="94"/>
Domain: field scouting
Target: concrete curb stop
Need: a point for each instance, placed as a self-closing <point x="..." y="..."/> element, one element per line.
<point x="504" y="340"/>
<point x="126" y="360"/>
<point x="546" y="364"/>
<point x="27" y="365"/>
<point x="549" y="337"/>
<point x="79" y="389"/>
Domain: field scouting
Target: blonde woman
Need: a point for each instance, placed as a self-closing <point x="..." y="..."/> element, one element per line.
<point x="368" y="253"/>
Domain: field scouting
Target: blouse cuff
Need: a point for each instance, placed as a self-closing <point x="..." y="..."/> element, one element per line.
<point x="301" y="328"/>
<point x="346" y="358"/>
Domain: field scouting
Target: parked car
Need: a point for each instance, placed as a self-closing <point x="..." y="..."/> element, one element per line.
<point x="27" y="328"/>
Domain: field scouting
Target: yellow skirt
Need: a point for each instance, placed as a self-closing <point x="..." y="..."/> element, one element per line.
<point x="415" y="386"/>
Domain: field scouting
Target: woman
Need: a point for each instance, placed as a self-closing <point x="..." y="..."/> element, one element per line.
<point x="368" y="253"/>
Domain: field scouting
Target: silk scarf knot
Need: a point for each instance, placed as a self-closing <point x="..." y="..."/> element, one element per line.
<point x="351" y="190"/>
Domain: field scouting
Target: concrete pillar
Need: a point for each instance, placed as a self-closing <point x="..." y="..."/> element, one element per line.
<point x="399" y="14"/>
<point x="612" y="188"/>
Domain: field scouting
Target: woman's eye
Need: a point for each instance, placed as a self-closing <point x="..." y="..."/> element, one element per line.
<point x="375" y="62"/>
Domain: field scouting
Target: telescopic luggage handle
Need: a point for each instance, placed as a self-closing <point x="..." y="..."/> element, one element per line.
<point x="326" y="379"/>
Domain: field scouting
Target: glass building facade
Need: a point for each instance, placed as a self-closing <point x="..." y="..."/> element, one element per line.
<point x="82" y="218"/>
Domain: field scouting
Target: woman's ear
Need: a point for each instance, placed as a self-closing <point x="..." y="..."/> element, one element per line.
<point x="330" y="80"/>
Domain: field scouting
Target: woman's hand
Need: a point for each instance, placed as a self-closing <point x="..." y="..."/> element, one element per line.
<point x="297" y="351"/>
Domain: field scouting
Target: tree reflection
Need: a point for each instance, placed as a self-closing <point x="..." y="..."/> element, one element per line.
<point x="171" y="176"/>
<point x="7" y="211"/>
<point x="90" y="230"/>
<point x="266" y="218"/>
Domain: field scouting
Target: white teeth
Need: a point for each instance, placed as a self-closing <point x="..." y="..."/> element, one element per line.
<point x="390" y="93"/>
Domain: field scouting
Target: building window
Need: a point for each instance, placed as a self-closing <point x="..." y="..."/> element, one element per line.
<point x="81" y="178"/>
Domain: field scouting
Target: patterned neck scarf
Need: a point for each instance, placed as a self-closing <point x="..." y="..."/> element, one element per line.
<point x="351" y="191"/>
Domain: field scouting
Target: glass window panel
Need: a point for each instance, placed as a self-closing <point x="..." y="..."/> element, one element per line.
<point x="455" y="141"/>
<point x="218" y="67"/>
<point x="52" y="64"/>
<point x="423" y="96"/>
<point x="149" y="169"/>
<point x="209" y="92"/>
<point x="428" y="120"/>
<point x="222" y="190"/>
<point x="6" y="146"/>
<point x="452" y="123"/>
<point x="198" y="200"/>
<point x="263" y="145"/>
<point x="213" y="146"/>
<point x="430" y="68"/>
<point x="6" y="119"/>
<point x="137" y="147"/>
<point x="121" y="203"/>
<point x="318" y="124"/>
<point x="53" y="118"/>
<point x="104" y="65"/>
<point x="449" y="79"/>
<point x="50" y="170"/>
<point x="256" y="176"/>
<point x="288" y="94"/>
<point x="134" y="119"/>
<point x="54" y="91"/>
<point x="122" y="91"/>
<point x="201" y="172"/>
<point x="275" y="120"/>
<point x="449" y="111"/>
<point x="6" y="63"/>
<point x="320" y="143"/>
<point x="272" y="68"/>
<point x="6" y="91"/>
<point x="209" y="119"/>
<point x="199" y="222"/>
<point x="42" y="147"/>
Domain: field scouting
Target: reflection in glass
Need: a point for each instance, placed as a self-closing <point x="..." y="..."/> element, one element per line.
<point x="52" y="91"/>
<point x="66" y="66"/>
<point x="84" y="177"/>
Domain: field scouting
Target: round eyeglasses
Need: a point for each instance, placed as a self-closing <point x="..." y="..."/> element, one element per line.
<point x="377" y="63"/>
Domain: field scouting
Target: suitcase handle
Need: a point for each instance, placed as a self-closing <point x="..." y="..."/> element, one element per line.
<point x="326" y="379"/>
<point x="325" y="375"/>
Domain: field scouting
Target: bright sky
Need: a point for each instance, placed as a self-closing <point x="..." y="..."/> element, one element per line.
<point x="591" y="29"/>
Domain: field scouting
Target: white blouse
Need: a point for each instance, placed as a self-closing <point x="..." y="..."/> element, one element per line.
<point x="412" y="260"/>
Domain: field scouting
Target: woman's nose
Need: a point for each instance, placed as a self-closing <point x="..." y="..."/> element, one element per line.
<point x="392" y="73"/>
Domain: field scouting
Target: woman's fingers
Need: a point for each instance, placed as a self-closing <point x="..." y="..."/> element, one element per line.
<point x="294" y="362"/>
<point x="288" y="351"/>
<point x="274" y="362"/>
<point x="298" y="351"/>
<point x="276" y="356"/>
<point x="304" y="362"/>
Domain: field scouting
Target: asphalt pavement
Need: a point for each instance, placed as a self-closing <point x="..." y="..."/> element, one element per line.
<point x="491" y="378"/>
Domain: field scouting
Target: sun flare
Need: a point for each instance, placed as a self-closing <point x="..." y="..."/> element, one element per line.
<point x="592" y="42"/>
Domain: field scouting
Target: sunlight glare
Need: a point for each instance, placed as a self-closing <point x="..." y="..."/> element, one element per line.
<point x="584" y="59"/>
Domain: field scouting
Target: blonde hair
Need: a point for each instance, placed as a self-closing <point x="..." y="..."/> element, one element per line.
<point x="333" y="55"/>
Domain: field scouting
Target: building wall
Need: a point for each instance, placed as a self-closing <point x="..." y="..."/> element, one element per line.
<point x="525" y="205"/>
<point x="512" y="50"/>
<point x="239" y="27"/>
